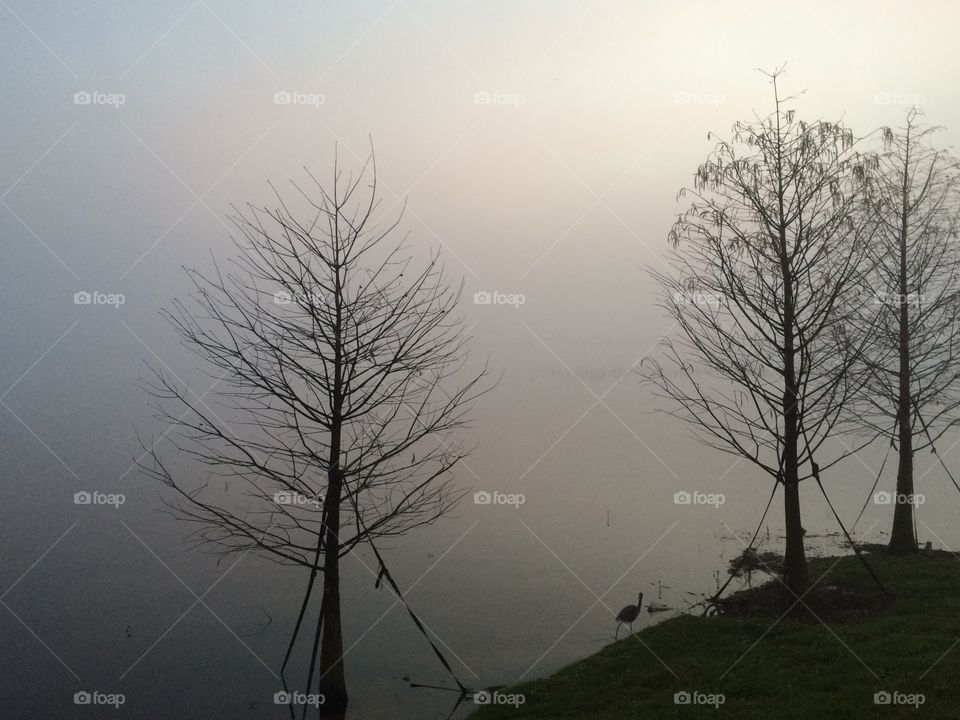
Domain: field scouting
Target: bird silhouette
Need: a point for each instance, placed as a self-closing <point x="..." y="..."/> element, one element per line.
<point x="628" y="615"/>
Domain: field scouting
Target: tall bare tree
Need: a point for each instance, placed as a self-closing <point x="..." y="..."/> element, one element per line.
<point x="341" y="383"/>
<point x="912" y="395"/>
<point x="766" y="260"/>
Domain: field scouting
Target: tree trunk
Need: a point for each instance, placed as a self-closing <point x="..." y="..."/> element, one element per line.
<point x="332" y="683"/>
<point x="794" y="560"/>
<point x="902" y="537"/>
<point x="795" y="574"/>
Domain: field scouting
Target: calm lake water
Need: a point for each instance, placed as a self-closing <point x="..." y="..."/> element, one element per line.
<point x="111" y="600"/>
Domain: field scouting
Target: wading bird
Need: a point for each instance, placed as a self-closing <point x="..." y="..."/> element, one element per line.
<point x="628" y="615"/>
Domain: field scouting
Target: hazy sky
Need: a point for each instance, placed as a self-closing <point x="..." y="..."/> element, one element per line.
<point x="540" y="145"/>
<point x="585" y="103"/>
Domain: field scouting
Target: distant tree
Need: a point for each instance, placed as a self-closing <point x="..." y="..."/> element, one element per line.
<point x="767" y="263"/>
<point x="911" y="396"/>
<point x="341" y="383"/>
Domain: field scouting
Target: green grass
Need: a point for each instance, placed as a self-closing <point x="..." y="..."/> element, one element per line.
<point x="796" y="670"/>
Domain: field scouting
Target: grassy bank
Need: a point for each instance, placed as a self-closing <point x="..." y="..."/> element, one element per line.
<point x="791" y="669"/>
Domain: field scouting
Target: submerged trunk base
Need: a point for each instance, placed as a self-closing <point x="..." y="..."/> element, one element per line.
<point x="795" y="574"/>
<point x="334" y="704"/>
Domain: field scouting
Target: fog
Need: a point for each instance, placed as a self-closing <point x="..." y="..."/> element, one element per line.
<point x="539" y="147"/>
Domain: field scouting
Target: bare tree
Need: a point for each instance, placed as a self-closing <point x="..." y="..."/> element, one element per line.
<point x="766" y="260"/>
<point x="341" y="381"/>
<point x="911" y="396"/>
